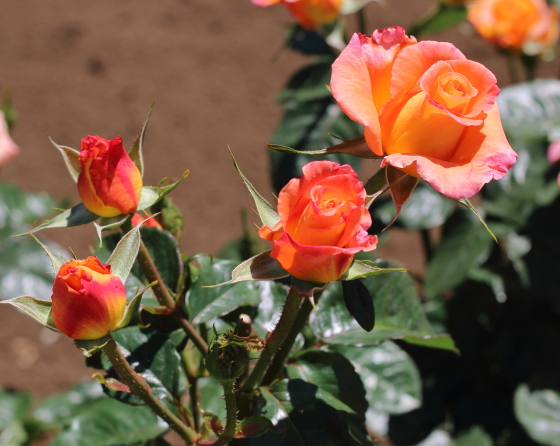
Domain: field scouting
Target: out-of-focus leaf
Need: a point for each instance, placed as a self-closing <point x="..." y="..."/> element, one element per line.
<point x="475" y="436"/>
<point x="539" y="414"/>
<point x="307" y="41"/>
<point x="108" y="422"/>
<point x="464" y="243"/>
<point x="304" y="415"/>
<point x="211" y="396"/>
<point x="13" y="406"/>
<point x="308" y="83"/>
<point x="204" y="304"/>
<point x="352" y="6"/>
<point x="445" y="16"/>
<point x="154" y="355"/>
<point x="332" y="373"/>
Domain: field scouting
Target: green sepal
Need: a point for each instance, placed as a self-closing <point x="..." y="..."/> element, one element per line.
<point x="70" y="157"/>
<point x="107" y="224"/>
<point x="76" y="216"/>
<point x="401" y="186"/>
<point x="465" y="202"/>
<point x="135" y="151"/>
<point x="89" y="347"/>
<point x="305" y="288"/>
<point x="56" y="259"/>
<point x="251" y="427"/>
<point x="40" y="310"/>
<point x="355" y="147"/>
<point x="111" y="383"/>
<point x="259" y="267"/>
<point x="375" y="186"/>
<point x="269" y="216"/>
<point x="133" y="307"/>
<point x="150" y="195"/>
<point x="360" y="269"/>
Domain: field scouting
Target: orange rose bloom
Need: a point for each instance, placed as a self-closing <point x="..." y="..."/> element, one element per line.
<point x="139" y="218"/>
<point x="88" y="302"/>
<point x="309" y="13"/>
<point x="323" y="223"/>
<point x="528" y="25"/>
<point x="109" y="183"/>
<point x="426" y="108"/>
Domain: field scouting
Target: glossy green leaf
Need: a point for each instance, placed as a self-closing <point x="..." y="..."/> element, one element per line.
<point x="360" y="269"/>
<point x="204" y="304"/>
<point x="57" y="410"/>
<point x="40" y="310"/>
<point x="398" y="312"/>
<point x="108" y="422"/>
<point x="136" y="150"/>
<point x="332" y="373"/>
<point x="267" y="213"/>
<point x="76" y="216"/>
<point x="304" y="415"/>
<point x="539" y="414"/>
<point x="70" y="157"/>
<point x="463" y="244"/>
<point x="259" y="267"/>
<point x="269" y="310"/>
<point x="153" y="354"/>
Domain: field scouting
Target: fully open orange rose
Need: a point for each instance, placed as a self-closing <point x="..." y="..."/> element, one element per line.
<point x="109" y="182"/>
<point x="323" y="223"/>
<point x="427" y="109"/>
<point x="309" y="13"/>
<point x="528" y="25"/>
<point x="88" y="302"/>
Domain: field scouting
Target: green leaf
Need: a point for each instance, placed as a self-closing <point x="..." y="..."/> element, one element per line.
<point x="154" y="355"/>
<point x="211" y="397"/>
<point x="308" y="83"/>
<point x="355" y="147"/>
<point x="360" y="269"/>
<point x="40" y="310"/>
<point x="204" y="304"/>
<point x="539" y="414"/>
<point x="135" y="151"/>
<point x="398" y="312"/>
<point x="463" y="245"/>
<point x="125" y="253"/>
<point x="76" y="216"/>
<point x="359" y="303"/>
<point x="251" y="427"/>
<point x="331" y="372"/>
<point x="92" y="346"/>
<point x="465" y="202"/>
<point x="269" y="310"/>
<point x="259" y="267"/>
<point x="441" y="341"/>
<point x="57" y="410"/>
<point x="308" y="416"/>
<point x="70" y="157"/>
<point x="268" y="214"/>
<point x="13" y="406"/>
<point x="148" y="194"/>
<point x="475" y="436"/>
<point x="445" y="16"/>
<point x="108" y="422"/>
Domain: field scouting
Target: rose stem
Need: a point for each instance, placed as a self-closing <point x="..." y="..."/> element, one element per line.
<point x="275" y="339"/>
<point x="282" y="354"/>
<point x="231" y="415"/>
<point x="162" y="293"/>
<point x="139" y="387"/>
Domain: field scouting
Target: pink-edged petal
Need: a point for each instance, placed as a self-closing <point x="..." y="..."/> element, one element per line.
<point x="483" y="154"/>
<point x="351" y="87"/>
<point x="553" y="153"/>
<point x="415" y="60"/>
<point x="8" y="148"/>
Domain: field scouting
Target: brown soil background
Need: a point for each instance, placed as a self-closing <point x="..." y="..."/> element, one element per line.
<point x="77" y="68"/>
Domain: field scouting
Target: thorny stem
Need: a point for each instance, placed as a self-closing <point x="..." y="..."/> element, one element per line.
<point x="139" y="387"/>
<point x="282" y="354"/>
<point x="275" y="339"/>
<point x="231" y="415"/>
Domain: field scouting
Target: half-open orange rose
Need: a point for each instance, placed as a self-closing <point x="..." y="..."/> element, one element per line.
<point x="309" y="13"/>
<point x="528" y="25"/>
<point x="88" y="302"/>
<point x="427" y="109"/>
<point x="109" y="182"/>
<point x="323" y="223"/>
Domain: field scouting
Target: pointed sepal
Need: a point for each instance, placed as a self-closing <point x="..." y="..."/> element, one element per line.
<point x="401" y="187"/>
<point x="133" y="307"/>
<point x="376" y="186"/>
<point x="76" y="216"/>
<point x="135" y="151"/>
<point x="150" y="195"/>
<point x="268" y="214"/>
<point x="307" y="289"/>
<point x="251" y="427"/>
<point x="71" y="159"/>
<point x="111" y="383"/>
<point x="56" y="259"/>
<point x="355" y="147"/>
<point x="40" y="310"/>
<point x="90" y="347"/>
<point x="360" y="269"/>
<point x="359" y="303"/>
<point x="465" y="202"/>
<point x="106" y="224"/>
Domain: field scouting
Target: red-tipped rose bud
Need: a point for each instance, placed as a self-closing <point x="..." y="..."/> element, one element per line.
<point x="109" y="183"/>
<point x="88" y="302"/>
<point x="139" y="218"/>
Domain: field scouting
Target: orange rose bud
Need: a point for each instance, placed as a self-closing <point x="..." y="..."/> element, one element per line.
<point x="323" y="223"/>
<point x="527" y="25"/>
<point x="88" y="302"/>
<point x="139" y="218"/>
<point x="426" y="108"/>
<point x="109" y="183"/>
<point x="309" y="13"/>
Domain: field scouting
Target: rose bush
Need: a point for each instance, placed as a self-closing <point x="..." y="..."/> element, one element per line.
<point x="427" y="109"/>
<point x="88" y="302"/>
<point x="309" y="13"/>
<point x="323" y="223"/>
<point x="109" y="182"/>
<point x="8" y="148"/>
<point x="528" y="25"/>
